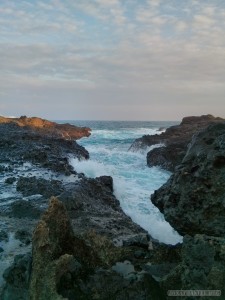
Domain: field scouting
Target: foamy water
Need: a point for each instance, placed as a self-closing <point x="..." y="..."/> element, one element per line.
<point x="133" y="180"/>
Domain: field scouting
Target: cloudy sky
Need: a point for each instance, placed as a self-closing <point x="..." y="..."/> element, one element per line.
<point x="112" y="59"/>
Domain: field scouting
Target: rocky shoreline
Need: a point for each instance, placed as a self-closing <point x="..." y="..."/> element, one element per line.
<point x="173" y="142"/>
<point x="80" y="244"/>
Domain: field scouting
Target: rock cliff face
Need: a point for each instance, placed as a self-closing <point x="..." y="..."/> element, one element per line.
<point x="192" y="201"/>
<point x="193" y="198"/>
<point x="45" y="127"/>
<point x="175" y="140"/>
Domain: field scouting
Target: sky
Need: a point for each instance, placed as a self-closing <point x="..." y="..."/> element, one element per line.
<point x="112" y="59"/>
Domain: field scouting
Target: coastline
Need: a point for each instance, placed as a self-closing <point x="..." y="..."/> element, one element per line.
<point x="119" y="248"/>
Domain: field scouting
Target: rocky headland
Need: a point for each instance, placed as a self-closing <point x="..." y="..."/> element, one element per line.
<point x="80" y="244"/>
<point x="48" y="128"/>
<point x="173" y="142"/>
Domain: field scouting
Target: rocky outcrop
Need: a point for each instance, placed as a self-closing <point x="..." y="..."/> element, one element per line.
<point x="192" y="201"/>
<point x="48" y="128"/>
<point x="20" y="144"/>
<point x="17" y="277"/>
<point x="203" y="263"/>
<point x="32" y="185"/>
<point x="92" y="204"/>
<point x="175" y="140"/>
<point x="65" y="266"/>
<point x="55" y="252"/>
<point x="193" y="198"/>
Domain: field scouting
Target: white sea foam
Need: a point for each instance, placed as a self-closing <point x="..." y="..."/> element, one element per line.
<point x="133" y="180"/>
<point x="91" y="168"/>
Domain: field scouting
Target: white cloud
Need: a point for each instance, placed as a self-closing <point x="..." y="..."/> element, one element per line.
<point x="203" y="21"/>
<point x="107" y="51"/>
<point x="181" y="26"/>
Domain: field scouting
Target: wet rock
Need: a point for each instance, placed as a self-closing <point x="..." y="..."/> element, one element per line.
<point x="140" y="240"/>
<point x="92" y="205"/>
<point x="17" y="279"/>
<point x="175" y="139"/>
<point x="4" y="236"/>
<point x="10" y="180"/>
<point x="159" y="271"/>
<point x="167" y="157"/>
<point x="202" y="266"/>
<point x="32" y="185"/>
<point x="25" y="209"/>
<point x="109" y="284"/>
<point x="29" y="145"/>
<point x="192" y="200"/>
<point x="106" y="181"/>
<point x="24" y="236"/>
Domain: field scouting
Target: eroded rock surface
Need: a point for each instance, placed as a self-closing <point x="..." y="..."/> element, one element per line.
<point x="193" y="198"/>
<point x="65" y="266"/>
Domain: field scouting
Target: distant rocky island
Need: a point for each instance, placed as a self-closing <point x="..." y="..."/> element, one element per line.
<point x="65" y="236"/>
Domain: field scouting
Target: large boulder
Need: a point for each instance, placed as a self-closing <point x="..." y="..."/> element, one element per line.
<point x="192" y="200"/>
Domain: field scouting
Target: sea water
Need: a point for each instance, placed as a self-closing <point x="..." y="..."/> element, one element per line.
<point x="133" y="180"/>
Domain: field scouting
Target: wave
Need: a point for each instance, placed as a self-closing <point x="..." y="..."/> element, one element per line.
<point x="133" y="181"/>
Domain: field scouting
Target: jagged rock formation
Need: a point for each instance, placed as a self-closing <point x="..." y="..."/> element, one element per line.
<point x="202" y="267"/>
<point x="175" y="140"/>
<point x="192" y="201"/>
<point x="54" y="250"/>
<point x="65" y="266"/>
<point x="193" y="198"/>
<point x="48" y="128"/>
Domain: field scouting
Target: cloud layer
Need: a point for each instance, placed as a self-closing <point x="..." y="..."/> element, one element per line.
<point x="112" y="59"/>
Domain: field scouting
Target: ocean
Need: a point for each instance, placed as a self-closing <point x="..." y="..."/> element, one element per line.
<point x="134" y="182"/>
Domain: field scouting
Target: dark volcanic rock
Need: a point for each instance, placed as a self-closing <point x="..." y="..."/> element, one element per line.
<point x="31" y="185"/>
<point x="193" y="198"/>
<point x="17" y="279"/>
<point x="167" y="157"/>
<point x="21" y="144"/>
<point x="4" y="236"/>
<point x="67" y="267"/>
<point x="92" y="205"/>
<point x="175" y="139"/>
<point x="202" y="266"/>
<point x="25" y="209"/>
<point x="203" y="263"/>
<point x="10" y="180"/>
<point x="48" y="128"/>
<point x="23" y="236"/>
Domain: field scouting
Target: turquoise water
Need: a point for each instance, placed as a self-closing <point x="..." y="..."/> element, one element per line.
<point x="133" y="181"/>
